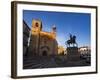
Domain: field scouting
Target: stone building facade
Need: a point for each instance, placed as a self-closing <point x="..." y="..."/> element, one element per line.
<point x="42" y="43"/>
<point x="26" y="33"/>
<point x="61" y="50"/>
<point x="85" y="50"/>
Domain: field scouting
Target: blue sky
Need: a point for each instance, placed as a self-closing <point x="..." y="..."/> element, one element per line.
<point x="78" y="24"/>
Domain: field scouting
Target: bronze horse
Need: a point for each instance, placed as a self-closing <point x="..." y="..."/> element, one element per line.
<point x="72" y="40"/>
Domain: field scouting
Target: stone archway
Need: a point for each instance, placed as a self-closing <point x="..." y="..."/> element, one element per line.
<point x="44" y="53"/>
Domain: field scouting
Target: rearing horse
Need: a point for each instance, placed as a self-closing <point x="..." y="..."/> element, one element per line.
<point x="72" y="40"/>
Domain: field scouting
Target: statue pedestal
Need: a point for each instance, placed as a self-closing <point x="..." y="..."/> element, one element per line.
<point x="73" y="54"/>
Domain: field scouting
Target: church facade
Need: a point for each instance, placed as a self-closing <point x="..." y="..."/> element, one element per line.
<point x="42" y="43"/>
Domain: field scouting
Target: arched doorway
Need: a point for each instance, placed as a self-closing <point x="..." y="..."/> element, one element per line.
<point x="44" y="53"/>
<point x="44" y="50"/>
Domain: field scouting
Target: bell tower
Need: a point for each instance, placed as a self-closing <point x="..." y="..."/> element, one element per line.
<point x="35" y="36"/>
<point x="36" y="26"/>
<point x="54" y="31"/>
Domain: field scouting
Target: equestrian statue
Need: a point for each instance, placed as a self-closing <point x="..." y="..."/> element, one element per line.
<point x="71" y="41"/>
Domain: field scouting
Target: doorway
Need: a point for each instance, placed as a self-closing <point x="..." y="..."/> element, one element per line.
<point x="44" y="53"/>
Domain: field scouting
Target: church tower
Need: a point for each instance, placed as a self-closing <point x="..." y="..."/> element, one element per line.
<point x="36" y="26"/>
<point x="35" y="36"/>
<point x="54" y="31"/>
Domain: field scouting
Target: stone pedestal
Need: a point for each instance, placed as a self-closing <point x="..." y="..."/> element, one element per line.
<point x="73" y="54"/>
